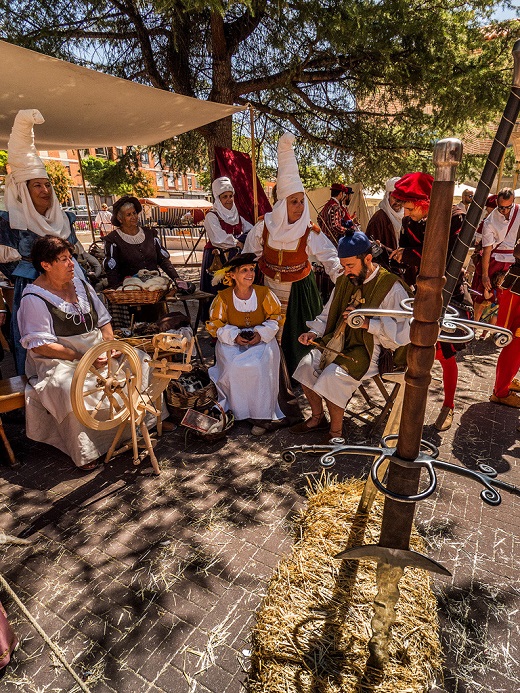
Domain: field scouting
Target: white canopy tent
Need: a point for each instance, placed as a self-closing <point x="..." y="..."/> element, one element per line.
<point x="84" y="108"/>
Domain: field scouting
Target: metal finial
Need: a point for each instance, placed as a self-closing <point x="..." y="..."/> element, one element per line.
<point x="447" y="155"/>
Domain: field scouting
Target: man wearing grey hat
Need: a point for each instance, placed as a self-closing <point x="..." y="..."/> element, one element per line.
<point x="334" y="376"/>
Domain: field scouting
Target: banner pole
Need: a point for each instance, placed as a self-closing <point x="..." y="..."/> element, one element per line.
<point x="86" y="197"/>
<point x="253" y="162"/>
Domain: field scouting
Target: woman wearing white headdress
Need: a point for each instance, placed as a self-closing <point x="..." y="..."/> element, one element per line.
<point x="283" y="242"/>
<point x="33" y="211"/>
<point x="225" y="229"/>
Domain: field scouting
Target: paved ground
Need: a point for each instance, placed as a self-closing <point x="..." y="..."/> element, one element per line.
<point x="151" y="584"/>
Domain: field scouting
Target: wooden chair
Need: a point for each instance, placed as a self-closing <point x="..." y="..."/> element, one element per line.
<point x="12" y="396"/>
<point x="375" y="412"/>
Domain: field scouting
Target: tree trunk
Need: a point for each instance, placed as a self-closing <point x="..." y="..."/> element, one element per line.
<point x="219" y="133"/>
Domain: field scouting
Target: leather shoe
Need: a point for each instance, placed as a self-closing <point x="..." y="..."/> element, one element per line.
<point x="304" y="427"/>
<point x="445" y="419"/>
<point x="512" y="400"/>
<point x="515" y="385"/>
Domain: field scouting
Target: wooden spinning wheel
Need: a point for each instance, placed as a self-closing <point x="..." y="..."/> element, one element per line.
<point x="107" y="384"/>
<point x="106" y="388"/>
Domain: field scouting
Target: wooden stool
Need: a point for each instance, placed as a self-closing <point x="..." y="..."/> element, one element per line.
<point x="12" y="396"/>
<point x="375" y="413"/>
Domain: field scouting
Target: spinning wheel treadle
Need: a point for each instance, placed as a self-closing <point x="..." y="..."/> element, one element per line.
<point x="99" y="395"/>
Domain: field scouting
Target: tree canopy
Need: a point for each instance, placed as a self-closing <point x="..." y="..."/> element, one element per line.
<point x="60" y="179"/>
<point x="368" y="84"/>
<point x="120" y="177"/>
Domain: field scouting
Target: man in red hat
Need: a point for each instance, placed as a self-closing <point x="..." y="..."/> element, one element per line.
<point x="414" y="190"/>
<point x="334" y="212"/>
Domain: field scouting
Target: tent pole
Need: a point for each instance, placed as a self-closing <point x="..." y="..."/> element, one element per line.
<point x="500" y="172"/>
<point x="86" y="197"/>
<point x="253" y="162"/>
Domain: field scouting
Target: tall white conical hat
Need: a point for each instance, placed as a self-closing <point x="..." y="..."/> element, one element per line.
<point x="25" y="164"/>
<point x="288" y="180"/>
<point x="22" y="155"/>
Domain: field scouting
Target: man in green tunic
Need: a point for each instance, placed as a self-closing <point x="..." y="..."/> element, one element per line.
<point x="363" y="284"/>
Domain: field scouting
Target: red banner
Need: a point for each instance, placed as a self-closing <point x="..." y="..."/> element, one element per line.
<point x="237" y="166"/>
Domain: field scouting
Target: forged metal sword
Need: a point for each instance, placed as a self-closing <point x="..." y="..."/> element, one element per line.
<point x="472" y="218"/>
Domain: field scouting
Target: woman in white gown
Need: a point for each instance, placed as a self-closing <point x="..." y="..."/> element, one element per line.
<point x="60" y="318"/>
<point x="245" y="318"/>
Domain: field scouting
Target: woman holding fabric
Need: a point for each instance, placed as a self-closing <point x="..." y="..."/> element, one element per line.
<point x="130" y="247"/>
<point x="283" y="242"/>
<point x="225" y="229"/>
<point x="33" y="211"/>
<point x="245" y="318"/>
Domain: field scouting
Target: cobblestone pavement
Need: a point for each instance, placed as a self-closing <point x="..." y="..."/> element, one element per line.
<point x="151" y="584"/>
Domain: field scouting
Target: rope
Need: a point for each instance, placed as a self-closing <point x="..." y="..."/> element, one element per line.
<point x="40" y="631"/>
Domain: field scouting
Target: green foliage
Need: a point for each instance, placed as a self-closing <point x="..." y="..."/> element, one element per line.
<point x="369" y="85"/>
<point x="3" y="162"/>
<point x="60" y="179"/>
<point x="122" y="177"/>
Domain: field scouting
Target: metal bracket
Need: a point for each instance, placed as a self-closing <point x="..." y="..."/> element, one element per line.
<point x="427" y="459"/>
<point x="449" y="323"/>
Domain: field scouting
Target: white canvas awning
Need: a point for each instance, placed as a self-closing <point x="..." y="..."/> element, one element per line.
<point x="84" y="108"/>
<point x="175" y="203"/>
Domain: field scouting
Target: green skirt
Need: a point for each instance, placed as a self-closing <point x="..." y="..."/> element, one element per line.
<point x="304" y="304"/>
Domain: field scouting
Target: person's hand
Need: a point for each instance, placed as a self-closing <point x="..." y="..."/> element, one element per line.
<point x="102" y="360"/>
<point x="3" y="318"/>
<point x="241" y="341"/>
<point x="306" y="337"/>
<point x="240" y="245"/>
<point x="256" y="340"/>
<point x="486" y="282"/>
<point x="181" y="284"/>
<point x="397" y="254"/>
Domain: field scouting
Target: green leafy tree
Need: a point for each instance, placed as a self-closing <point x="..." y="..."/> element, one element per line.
<point x="60" y="179"/>
<point x="122" y="177"/>
<point x="368" y="84"/>
<point x="3" y="162"/>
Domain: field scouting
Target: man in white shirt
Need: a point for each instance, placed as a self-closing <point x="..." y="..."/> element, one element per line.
<point x="499" y="234"/>
<point x="466" y="200"/>
<point x="362" y="282"/>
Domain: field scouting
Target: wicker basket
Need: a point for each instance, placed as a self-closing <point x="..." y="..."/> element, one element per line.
<point x="134" y="296"/>
<point x="179" y="398"/>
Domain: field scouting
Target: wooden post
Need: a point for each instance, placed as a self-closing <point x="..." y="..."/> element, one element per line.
<point x="398" y="517"/>
<point x="253" y="163"/>
<point x="91" y="227"/>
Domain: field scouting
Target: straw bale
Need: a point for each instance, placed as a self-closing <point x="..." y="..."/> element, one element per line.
<point x="313" y="626"/>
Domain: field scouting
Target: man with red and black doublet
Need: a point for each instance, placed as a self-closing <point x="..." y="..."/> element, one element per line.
<point x="334" y="213"/>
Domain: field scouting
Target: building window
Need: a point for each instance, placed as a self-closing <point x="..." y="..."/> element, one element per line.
<point x="145" y="158"/>
<point x="160" y="179"/>
<point x="119" y="151"/>
<point x="171" y="180"/>
<point x="101" y="152"/>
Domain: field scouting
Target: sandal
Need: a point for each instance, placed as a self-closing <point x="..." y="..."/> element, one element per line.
<point x="304" y="427"/>
<point x="88" y="467"/>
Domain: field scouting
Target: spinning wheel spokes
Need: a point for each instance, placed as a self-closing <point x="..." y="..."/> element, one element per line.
<point x="99" y="391"/>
